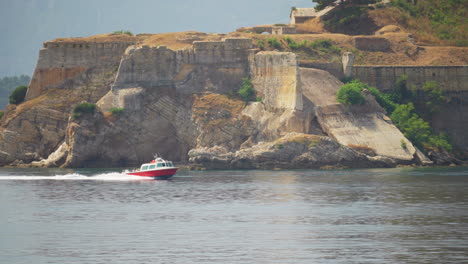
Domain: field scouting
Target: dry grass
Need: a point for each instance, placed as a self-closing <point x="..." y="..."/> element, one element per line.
<point x="420" y="27"/>
<point x="179" y="40"/>
<point x="102" y="38"/>
<point x="312" y="26"/>
<point x="214" y="110"/>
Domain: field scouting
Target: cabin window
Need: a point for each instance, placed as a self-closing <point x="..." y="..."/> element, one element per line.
<point x="159" y="165"/>
<point x="144" y="168"/>
<point x="164" y="164"/>
<point x="152" y="167"/>
<point x="170" y="164"/>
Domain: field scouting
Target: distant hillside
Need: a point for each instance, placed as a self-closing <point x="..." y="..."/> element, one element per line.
<point x="8" y="84"/>
<point x="431" y="21"/>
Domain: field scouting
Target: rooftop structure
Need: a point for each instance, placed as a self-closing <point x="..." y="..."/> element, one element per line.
<point x="301" y="15"/>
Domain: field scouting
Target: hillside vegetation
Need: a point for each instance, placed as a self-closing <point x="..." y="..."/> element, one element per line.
<point x="8" y="84"/>
<point x="431" y="21"/>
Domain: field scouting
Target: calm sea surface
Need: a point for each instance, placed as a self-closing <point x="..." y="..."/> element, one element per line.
<point x="402" y="215"/>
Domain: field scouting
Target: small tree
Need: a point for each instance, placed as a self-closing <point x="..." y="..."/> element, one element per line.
<point x="83" y="108"/>
<point x="116" y="111"/>
<point x="273" y="42"/>
<point x="18" y="95"/>
<point x="350" y="93"/>
<point x="247" y="92"/>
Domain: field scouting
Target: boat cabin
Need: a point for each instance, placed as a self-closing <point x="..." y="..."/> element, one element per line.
<point x="157" y="164"/>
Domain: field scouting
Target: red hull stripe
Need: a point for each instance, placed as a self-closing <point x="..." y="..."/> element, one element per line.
<point x="154" y="173"/>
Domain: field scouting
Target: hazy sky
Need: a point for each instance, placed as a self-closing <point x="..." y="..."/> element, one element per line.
<point x="25" y="24"/>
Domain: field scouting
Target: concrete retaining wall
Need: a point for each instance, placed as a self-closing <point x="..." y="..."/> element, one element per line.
<point x="450" y="78"/>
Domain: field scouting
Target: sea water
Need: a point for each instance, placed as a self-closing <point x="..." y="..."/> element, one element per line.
<point x="403" y="215"/>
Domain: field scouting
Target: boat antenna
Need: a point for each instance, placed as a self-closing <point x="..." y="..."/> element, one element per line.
<point x="156" y="155"/>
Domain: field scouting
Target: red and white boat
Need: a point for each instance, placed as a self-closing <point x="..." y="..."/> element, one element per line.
<point x="158" y="169"/>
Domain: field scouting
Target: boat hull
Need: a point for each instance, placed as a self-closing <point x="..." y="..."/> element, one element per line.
<point x="163" y="174"/>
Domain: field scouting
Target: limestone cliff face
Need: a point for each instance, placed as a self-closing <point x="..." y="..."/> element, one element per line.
<point x="182" y="105"/>
<point x="66" y="74"/>
<point x="275" y="76"/>
<point x="171" y="104"/>
<point x="276" y="79"/>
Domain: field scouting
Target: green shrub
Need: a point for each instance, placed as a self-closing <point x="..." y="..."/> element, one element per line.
<point x="1" y="114"/>
<point x="292" y="44"/>
<point x="116" y="111"/>
<point x="273" y="42"/>
<point x="83" y="108"/>
<point x="403" y="144"/>
<point x="414" y="128"/>
<point x="429" y="19"/>
<point x="259" y="99"/>
<point x="123" y="32"/>
<point x="406" y="6"/>
<point x="261" y="44"/>
<point x="400" y="92"/>
<point x="417" y="130"/>
<point x="383" y="99"/>
<point x="279" y="146"/>
<point x="247" y="92"/>
<point x="18" y="95"/>
<point x="321" y="43"/>
<point x="441" y="141"/>
<point x="350" y="93"/>
<point x="433" y="96"/>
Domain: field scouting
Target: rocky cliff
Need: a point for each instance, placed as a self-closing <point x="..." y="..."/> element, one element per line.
<point x="182" y="104"/>
<point x="65" y="74"/>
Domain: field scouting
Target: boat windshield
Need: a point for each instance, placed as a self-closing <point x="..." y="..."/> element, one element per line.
<point x="144" y="167"/>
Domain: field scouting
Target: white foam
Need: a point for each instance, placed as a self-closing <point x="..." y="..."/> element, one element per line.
<point x="113" y="176"/>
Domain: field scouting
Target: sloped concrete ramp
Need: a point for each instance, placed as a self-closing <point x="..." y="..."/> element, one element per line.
<point x="366" y="127"/>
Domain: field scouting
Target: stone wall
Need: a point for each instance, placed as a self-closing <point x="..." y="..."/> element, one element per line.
<point x="207" y="66"/>
<point x="59" y="62"/>
<point x="372" y="44"/>
<point x="280" y="30"/>
<point x="450" y="78"/>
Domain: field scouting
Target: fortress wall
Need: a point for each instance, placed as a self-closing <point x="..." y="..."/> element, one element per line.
<point x="227" y="51"/>
<point x="450" y="78"/>
<point x="69" y="55"/>
<point x="275" y="76"/>
<point x="209" y="65"/>
<point x="145" y="66"/>
<point x="59" y="62"/>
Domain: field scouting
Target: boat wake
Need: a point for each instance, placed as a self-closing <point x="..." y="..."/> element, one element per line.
<point x="113" y="176"/>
